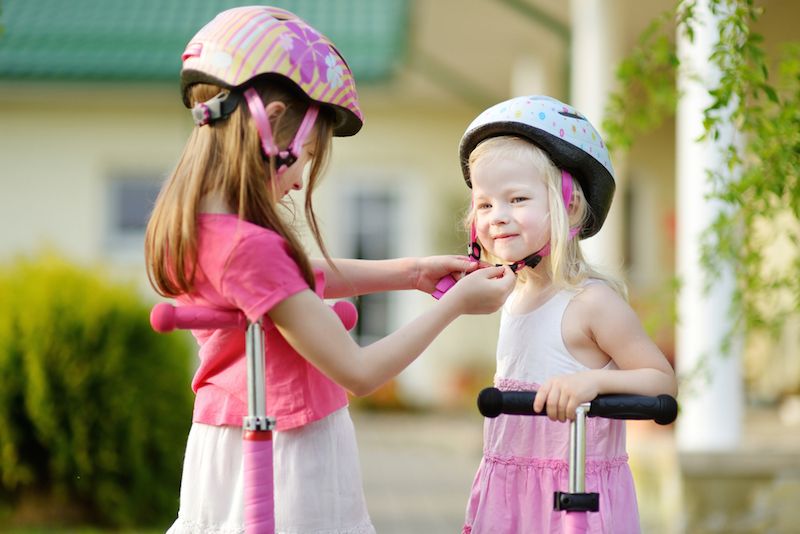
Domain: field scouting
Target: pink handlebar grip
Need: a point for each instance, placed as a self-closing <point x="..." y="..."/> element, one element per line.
<point x="165" y="317"/>
<point x="443" y="285"/>
<point x="259" y="497"/>
<point x="347" y="313"/>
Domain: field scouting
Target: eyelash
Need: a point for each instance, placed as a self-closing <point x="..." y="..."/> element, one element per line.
<point x="514" y="200"/>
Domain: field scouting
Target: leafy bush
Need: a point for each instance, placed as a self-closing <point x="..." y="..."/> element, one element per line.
<point x="94" y="405"/>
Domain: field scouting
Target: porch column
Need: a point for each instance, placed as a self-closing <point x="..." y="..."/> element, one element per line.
<point x="595" y="52"/>
<point x="711" y="400"/>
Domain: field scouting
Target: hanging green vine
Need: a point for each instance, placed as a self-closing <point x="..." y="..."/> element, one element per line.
<point x="647" y="95"/>
<point x="758" y="236"/>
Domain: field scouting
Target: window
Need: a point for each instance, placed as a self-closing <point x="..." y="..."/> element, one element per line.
<point x="371" y="232"/>
<point x="130" y="202"/>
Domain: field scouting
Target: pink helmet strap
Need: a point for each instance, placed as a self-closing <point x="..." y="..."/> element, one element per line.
<point x="473" y="249"/>
<point x="567" y="187"/>
<point x="305" y="129"/>
<point x="259" y="114"/>
<point x="566" y="194"/>
<point x="284" y="158"/>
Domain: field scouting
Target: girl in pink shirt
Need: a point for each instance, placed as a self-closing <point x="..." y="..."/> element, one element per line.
<point x="267" y="93"/>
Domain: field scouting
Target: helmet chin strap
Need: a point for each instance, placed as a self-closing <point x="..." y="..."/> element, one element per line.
<point x="532" y="260"/>
<point x="283" y="158"/>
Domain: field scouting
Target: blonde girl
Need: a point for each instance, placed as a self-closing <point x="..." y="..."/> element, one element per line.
<point x="541" y="180"/>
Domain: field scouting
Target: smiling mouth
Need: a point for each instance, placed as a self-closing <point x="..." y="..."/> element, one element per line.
<point x="502" y="237"/>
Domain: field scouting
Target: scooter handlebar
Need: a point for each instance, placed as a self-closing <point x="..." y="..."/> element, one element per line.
<point x="662" y="409"/>
<point x="164" y="317"/>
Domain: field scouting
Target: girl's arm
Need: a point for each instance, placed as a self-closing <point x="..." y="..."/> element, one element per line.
<point x="360" y="277"/>
<point x="619" y="333"/>
<point x="314" y="330"/>
<point x="615" y="329"/>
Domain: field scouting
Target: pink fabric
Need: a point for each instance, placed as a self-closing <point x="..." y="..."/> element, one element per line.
<point x="525" y="462"/>
<point x="243" y="266"/>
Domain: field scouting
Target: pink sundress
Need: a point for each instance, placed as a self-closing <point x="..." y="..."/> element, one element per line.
<point x="525" y="457"/>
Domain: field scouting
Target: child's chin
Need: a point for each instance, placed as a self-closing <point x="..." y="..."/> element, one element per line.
<point x="507" y="260"/>
<point x="510" y="257"/>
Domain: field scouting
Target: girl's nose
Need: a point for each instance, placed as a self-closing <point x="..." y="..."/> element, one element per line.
<point x="297" y="186"/>
<point x="499" y="216"/>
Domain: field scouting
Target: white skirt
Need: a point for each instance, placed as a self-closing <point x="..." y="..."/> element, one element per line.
<point x="318" y="487"/>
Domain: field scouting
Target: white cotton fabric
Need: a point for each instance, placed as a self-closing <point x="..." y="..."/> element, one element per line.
<point x="530" y="346"/>
<point x="318" y="485"/>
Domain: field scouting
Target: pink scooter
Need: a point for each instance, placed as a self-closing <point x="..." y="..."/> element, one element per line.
<point x="259" y="490"/>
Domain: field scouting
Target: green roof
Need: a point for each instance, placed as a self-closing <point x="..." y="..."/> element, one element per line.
<point x="142" y="40"/>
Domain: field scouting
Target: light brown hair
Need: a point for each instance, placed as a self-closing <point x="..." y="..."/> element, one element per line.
<point x="225" y="158"/>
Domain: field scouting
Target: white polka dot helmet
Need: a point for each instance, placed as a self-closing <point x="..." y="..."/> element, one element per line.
<point x="568" y="137"/>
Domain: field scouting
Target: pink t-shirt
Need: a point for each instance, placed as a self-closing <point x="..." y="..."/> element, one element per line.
<point x="246" y="267"/>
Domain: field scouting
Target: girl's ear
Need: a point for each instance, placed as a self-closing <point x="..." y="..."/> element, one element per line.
<point x="275" y="109"/>
<point x="573" y="202"/>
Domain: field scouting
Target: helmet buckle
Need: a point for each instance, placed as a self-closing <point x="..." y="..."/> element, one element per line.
<point x="284" y="160"/>
<point x="215" y="108"/>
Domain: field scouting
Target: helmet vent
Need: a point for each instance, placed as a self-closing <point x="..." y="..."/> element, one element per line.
<point x="571" y="115"/>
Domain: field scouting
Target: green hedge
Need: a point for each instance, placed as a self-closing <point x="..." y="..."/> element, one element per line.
<point x="94" y="406"/>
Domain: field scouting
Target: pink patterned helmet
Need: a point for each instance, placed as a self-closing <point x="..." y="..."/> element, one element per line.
<point x="569" y="139"/>
<point x="245" y="42"/>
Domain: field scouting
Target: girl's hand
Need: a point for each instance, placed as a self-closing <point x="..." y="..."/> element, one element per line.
<point x="561" y="395"/>
<point x="482" y="291"/>
<point x="429" y="270"/>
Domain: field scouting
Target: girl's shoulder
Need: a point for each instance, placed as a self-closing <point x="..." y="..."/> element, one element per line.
<point x="232" y="225"/>
<point x="250" y="267"/>
<point x="227" y="231"/>
<point x="599" y="308"/>
<point x="596" y="296"/>
<point x="240" y="249"/>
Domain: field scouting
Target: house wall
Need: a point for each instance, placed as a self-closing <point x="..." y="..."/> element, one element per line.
<point x="62" y="146"/>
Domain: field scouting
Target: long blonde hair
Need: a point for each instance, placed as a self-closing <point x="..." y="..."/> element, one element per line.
<point x="225" y="158"/>
<point x="568" y="269"/>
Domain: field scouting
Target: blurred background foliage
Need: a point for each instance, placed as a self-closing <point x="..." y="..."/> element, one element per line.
<point x="760" y="95"/>
<point x="94" y="405"/>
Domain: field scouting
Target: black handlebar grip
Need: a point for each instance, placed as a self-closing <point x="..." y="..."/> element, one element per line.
<point x="662" y="409"/>
<point x="492" y="402"/>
